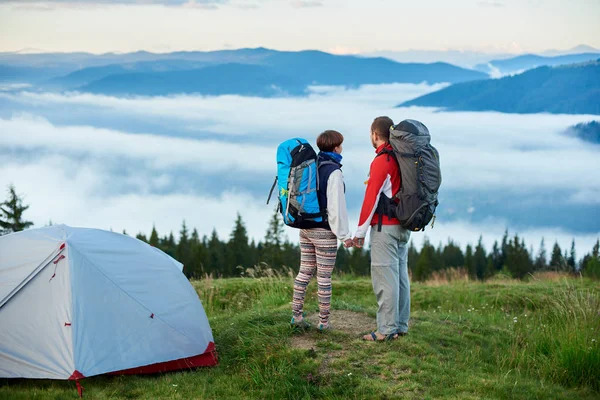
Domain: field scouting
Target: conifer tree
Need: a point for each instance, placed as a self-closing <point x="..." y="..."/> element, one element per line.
<point x="413" y="257"/>
<point x="272" y="252"/>
<point x="571" y="261"/>
<point x="216" y="256"/>
<point x="518" y="260"/>
<point x="238" y="248"/>
<point x="541" y="262"/>
<point x="423" y="268"/>
<point x="452" y="255"/>
<point x="154" y="238"/>
<point x="11" y="213"/>
<point x="480" y="260"/>
<point x="470" y="262"/>
<point x="556" y="259"/>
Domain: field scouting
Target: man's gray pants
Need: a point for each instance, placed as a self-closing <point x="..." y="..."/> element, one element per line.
<point x="389" y="273"/>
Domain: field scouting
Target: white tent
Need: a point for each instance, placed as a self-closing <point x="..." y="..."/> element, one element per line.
<point x="78" y="302"/>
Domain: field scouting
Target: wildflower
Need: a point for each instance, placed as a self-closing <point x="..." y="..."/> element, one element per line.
<point x="525" y="315"/>
<point x="439" y="306"/>
<point x="350" y="373"/>
<point x="593" y="340"/>
<point x="515" y="320"/>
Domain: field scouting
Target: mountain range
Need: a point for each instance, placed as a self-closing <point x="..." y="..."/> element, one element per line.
<point x="569" y="89"/>
<point x="514" y="65"/>
<point x="260" y="72"/>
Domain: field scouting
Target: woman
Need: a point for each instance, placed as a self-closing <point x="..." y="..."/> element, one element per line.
<point x="318" y="246"/>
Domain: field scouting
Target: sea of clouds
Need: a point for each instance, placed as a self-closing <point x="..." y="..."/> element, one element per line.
<point x="129" y="163"/>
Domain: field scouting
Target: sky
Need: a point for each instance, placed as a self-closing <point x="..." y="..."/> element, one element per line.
<point x="338" y="26"/>
<point x="130" y="163"/>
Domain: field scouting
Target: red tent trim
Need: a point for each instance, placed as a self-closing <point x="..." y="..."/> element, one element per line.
<point x="76" y="375"/>
<point x="207" y="359"/>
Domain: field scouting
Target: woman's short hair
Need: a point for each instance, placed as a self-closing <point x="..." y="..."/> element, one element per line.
<point x="329" y="140"/>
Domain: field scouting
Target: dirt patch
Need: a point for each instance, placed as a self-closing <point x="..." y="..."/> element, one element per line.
<point x="349" y="322"/>
<point x="304" y="342"/>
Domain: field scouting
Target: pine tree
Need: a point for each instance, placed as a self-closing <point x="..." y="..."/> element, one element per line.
<point x="413" y="257"/>
<point x="438" y="259"/>
<point x="154" y="237"/>
<point x="359" y="262"/>
<point x="11" y="213"/>
<point x="197" y="255"/>
<point x="470" y="262"/>
<point x="216" y="256"/>
<point x="291" y="255"/>
<point x="503" y="252"/>
<point x="496" y="257"/>
<point x="452" y="256"/>
<point x="518" y="260"/>
<point x="238" y="249"/>
<point x="423" y="268"/>
<point x="272" y="252"/>
<point x="480" y="260"/>
<point x="541" y="262"/>
<point x="183" y="251"/>
<point x="342" y="260"/>
<point x="556" y="260"/>
<point x="142" y="237"/>
<point x="571" y="261"/>
<point x="169" y="246"/>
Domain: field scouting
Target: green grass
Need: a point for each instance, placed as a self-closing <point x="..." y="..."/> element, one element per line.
<point x="464" y="343"/>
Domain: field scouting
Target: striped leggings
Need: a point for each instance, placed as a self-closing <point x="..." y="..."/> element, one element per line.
<point x="318" y="250"/>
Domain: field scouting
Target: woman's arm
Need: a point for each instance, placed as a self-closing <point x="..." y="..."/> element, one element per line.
<point x="337" y="213"/>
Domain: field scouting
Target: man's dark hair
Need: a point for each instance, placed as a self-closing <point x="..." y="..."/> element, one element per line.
<point x="329" y="140"/>
<point x="381" y="126"/>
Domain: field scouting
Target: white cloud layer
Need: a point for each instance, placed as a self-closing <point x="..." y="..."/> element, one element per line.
<point x="84" y="174"/>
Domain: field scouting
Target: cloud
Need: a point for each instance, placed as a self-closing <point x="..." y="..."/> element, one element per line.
<point x="49" y="4"/>
<point x="307" y="4"/>
<point x="158" y="152"/>
<point x="126" y="162"/>
<point x="491" y="3"/>
<point x="342" y="50"/>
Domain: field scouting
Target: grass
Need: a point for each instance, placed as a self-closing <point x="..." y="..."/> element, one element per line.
<point x="496" y="340"/>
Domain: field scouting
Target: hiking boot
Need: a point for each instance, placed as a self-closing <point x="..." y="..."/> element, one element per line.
<point x="324" y="327"/>
<point x="302" y="324"/>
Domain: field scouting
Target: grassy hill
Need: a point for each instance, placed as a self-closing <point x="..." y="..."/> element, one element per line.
<point x="494" y="340"/>
<point x="571" y="89"/>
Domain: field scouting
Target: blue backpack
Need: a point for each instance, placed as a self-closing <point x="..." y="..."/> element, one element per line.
<point x="298" y="183"/>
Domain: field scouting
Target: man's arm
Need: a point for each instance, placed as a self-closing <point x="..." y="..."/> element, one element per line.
<point x="378" y="179"/>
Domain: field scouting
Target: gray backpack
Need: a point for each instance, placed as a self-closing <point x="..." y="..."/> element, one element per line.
<point x="414" y="205"/>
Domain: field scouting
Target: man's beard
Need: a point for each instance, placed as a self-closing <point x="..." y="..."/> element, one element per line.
<point x="373" y="143"/>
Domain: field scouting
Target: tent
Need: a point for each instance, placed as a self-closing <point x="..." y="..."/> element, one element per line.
<point x="77" y="302"/>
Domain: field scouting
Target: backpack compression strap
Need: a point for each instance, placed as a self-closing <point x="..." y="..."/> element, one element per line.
<point x="386" y="206"/>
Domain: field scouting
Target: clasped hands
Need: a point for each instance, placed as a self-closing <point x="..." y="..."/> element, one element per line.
<point x="356" y="242"/>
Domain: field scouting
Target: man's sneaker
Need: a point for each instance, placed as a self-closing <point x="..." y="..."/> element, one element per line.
<point x="302" y="324"/>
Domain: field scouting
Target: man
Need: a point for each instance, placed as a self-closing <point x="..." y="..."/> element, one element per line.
<point x="389" y="250"/>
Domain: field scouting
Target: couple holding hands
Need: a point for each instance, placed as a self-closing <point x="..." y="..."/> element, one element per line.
<point x="389" y="240"/>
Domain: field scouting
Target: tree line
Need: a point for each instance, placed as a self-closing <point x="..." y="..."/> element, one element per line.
<point x="209" y="255"/>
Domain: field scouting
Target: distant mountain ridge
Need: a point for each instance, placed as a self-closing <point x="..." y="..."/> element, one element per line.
<point x="260" y="72"/>
<point x="589" y="132"/>
<point x="529" y="61"/>
<point x="571" y="89"/>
